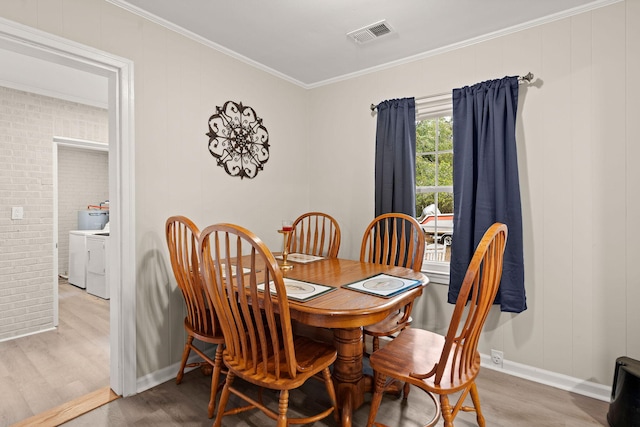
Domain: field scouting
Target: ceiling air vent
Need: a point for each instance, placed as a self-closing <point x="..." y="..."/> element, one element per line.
<point x="371" y="32"/>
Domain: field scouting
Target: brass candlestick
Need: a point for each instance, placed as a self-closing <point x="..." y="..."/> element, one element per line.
<point x="285" y="265"/>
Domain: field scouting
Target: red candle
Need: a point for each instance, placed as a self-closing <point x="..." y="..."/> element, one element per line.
<point x="287" y="225"/>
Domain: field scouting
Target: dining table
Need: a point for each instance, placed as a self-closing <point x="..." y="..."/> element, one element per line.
<point x="345" y="311"/>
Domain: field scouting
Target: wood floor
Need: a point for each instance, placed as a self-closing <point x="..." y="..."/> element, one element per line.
<point x="45" y="370"/>
<point x="506" y="401"/>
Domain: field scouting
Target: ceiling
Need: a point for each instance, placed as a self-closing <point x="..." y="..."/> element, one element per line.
<point x="306" y="42"/>
<point x="30" y="74"/>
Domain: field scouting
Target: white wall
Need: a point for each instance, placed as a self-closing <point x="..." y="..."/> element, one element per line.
<point x="578" y="145"/>
<point x="577" y="129"/>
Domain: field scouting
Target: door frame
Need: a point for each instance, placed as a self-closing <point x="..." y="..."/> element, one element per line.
<point x="121" y="270"/>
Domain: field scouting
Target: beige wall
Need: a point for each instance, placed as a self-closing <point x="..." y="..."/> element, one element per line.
<point x="578" y="148"/>
<point x="178" y="84"/>
<point x="577" y="133"/>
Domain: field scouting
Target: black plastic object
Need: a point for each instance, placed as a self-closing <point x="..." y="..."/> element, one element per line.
<point x="624" y="409"/>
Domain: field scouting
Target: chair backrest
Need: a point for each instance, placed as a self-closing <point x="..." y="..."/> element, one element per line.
<point x="479" y="288"/>
<point x="182" y="239"/>
<point x="258" y="337"/>
<point x="315" y="233"/>
<point x="393" y="239"/>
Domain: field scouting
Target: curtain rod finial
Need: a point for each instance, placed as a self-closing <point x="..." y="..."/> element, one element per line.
<point x="528" y="77"/>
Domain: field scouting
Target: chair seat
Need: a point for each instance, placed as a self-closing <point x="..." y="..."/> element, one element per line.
<point x="413" y="351"/>
<point x="312" y="357"/>
<point x="390" y="325"/>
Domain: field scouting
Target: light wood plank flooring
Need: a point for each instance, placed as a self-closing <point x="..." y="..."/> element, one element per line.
<point x="506" y="401"/>
<point x="45" y="370"/>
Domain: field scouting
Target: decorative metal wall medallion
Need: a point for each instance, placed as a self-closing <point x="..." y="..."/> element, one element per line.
<point x="238" y="140"/>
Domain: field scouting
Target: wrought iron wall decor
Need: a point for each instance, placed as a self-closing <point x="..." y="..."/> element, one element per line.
<point x="238" y="140"/>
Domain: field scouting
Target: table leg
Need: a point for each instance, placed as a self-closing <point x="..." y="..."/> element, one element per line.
<point x="350" y="382"/>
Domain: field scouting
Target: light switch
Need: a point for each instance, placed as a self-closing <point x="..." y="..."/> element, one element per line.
<point x="17" y="212"/>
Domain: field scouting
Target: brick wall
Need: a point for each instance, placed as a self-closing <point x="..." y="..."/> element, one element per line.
<point x="28" y="123"/>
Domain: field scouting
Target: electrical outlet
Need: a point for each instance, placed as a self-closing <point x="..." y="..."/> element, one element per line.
<point x="496" y="358"/>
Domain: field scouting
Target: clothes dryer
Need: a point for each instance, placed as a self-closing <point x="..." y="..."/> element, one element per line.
<point x="97" y="260"/>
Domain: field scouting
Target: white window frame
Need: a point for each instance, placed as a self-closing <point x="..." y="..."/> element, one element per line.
<point x="433" y="107"/>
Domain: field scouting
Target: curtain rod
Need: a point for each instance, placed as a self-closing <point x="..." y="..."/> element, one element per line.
<point x="521" y="79"/>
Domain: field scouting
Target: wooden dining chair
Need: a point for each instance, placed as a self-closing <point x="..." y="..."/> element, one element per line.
<point x="442" y="365"/>
<point x="315" y="233"/>
<point x="201" y="322"/>
<point x="392" y="239"/>
<point x="260" y="345"/>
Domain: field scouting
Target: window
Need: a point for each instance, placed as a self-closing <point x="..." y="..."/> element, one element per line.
<point x="434" y="181"/>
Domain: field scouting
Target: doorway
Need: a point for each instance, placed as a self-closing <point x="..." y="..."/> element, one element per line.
<point x="36" y="44"/>
<point x="80" y="179"/>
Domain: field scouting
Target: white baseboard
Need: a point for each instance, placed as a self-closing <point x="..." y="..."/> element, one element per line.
<point x="165" y="374"/>
<point x="27" y="334"/>
<point x="553" y="379"/>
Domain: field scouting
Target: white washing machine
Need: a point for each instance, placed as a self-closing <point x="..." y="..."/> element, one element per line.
<point x="97" y="259"/>
<point x="78" y="256"/>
